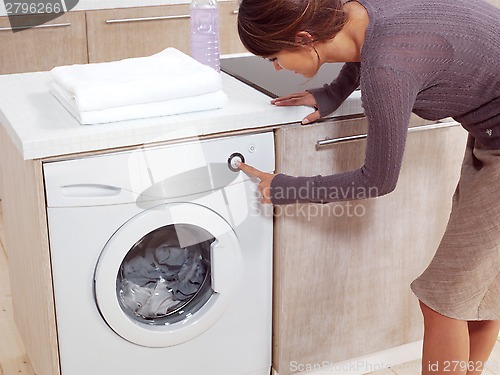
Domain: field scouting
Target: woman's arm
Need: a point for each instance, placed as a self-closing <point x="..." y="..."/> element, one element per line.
<point x="388" y="98"/>
<point x="331" y="96"/>
<point x="326" y="99"/>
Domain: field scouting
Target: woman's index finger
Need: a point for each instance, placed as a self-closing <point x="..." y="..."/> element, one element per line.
<point x="249" y="170"/>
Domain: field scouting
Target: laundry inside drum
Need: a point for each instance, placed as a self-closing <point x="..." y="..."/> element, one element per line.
<point x="166" y="275"/>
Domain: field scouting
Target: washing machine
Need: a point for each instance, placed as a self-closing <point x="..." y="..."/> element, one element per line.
<point x="162" y="259"/>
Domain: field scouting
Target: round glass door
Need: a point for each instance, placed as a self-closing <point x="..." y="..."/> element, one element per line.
<point x="162" y="280"/>
<point x="167" y="274"/>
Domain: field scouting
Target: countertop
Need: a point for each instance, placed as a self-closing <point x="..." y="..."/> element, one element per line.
<point x="41" y="127"/>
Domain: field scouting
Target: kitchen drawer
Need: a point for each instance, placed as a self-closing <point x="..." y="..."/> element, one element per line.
<point x="116" y="34"/>
<point x="61" y="41"/>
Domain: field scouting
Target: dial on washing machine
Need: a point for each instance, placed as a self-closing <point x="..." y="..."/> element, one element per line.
<point x="233" y="158"/>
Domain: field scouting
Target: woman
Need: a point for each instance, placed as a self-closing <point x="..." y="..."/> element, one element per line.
<point x="434" y="58"/>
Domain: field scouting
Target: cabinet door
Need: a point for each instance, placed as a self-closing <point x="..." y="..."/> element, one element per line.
<point x="229" y="39"/>
<point x="342" y="270"/>
<point x="59" y="42"/>
<point x="1" y="173"/>
<point x="116" y="34"/>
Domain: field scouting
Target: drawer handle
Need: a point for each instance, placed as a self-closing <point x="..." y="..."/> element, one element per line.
<point x="235" y="11"/>
<point x="50" y="25"/>
<point x="141" y="19"/>
<point x="89" y="191"/>
<point x="352" y="138"/>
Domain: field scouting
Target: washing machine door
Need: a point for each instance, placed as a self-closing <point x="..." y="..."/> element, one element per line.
<point x="168" y="274"/>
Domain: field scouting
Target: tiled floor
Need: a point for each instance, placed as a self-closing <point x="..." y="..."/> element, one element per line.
<point x="13" y="360"/>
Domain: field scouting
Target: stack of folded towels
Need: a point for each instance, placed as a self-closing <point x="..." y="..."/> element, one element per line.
<point x="167" y="83"/>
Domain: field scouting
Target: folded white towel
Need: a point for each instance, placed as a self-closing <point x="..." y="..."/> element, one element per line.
<point x="203" y="102"/>
<point x="167" y="75"/>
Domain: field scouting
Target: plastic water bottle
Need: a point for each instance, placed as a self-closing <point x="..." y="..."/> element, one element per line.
<point x="205" y="32"/>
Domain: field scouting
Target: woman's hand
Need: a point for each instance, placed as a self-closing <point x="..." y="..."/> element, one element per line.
<point x="300" y="98"/>
<point x="265" y="180"/>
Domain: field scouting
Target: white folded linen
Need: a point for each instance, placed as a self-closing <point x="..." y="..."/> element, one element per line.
<point x="169" y="74"/>
<point x="203" y="102"/>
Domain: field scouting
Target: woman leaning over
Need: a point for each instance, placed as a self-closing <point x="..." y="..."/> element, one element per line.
<point x="434" y="58"/>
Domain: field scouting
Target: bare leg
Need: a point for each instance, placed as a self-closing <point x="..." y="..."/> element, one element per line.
<point x="446" y="344"/>
<point x="483" y="335"/>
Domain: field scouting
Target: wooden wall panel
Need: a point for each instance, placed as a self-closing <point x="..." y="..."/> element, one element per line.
<point x="27" y="249"/>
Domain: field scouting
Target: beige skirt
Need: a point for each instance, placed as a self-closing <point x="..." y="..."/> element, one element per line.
<point x="463" y="279"/>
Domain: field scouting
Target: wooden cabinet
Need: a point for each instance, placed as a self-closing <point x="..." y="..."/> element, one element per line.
<point x="116" y="34"/>
<point x="120" y="33"/>
<point x="59" y="42"/>
<point x="342" y="270"/>
<point x="106" y="35"/>
<point x="1" y="175"/>
<point x="25" y="225"/>
<point x="229" y="38"/>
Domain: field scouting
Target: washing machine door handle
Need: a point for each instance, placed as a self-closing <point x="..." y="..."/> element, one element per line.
<point x="226" y="265"/>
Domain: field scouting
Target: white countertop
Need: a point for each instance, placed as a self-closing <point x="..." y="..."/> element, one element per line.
<point x="41" y="127"/>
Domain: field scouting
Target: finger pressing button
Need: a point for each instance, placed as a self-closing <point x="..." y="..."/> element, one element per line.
<point x="233" y="158"/>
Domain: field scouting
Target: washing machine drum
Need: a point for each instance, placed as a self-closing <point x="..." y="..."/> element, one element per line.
<point x="168" y="274"/>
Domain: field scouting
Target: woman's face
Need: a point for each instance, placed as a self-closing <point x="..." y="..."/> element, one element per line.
<point x="301" y="60"/>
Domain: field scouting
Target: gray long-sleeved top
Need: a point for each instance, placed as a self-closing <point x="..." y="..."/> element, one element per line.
<point x="434" y="58"/>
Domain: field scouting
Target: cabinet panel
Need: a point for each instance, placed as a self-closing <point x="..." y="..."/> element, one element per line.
<point x="229" y="39"/>
<point x="342" y="270"/>
<point x="27" y="250"/>
<point x="60" y="42"/>
<point x="116" y="34"/>
<point x="113" y="34"/>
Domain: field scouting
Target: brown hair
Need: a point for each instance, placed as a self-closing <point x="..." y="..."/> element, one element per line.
<point x="267" y="27"/>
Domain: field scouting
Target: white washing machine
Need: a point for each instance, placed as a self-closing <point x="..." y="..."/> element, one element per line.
<point x="162" y="260"/>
